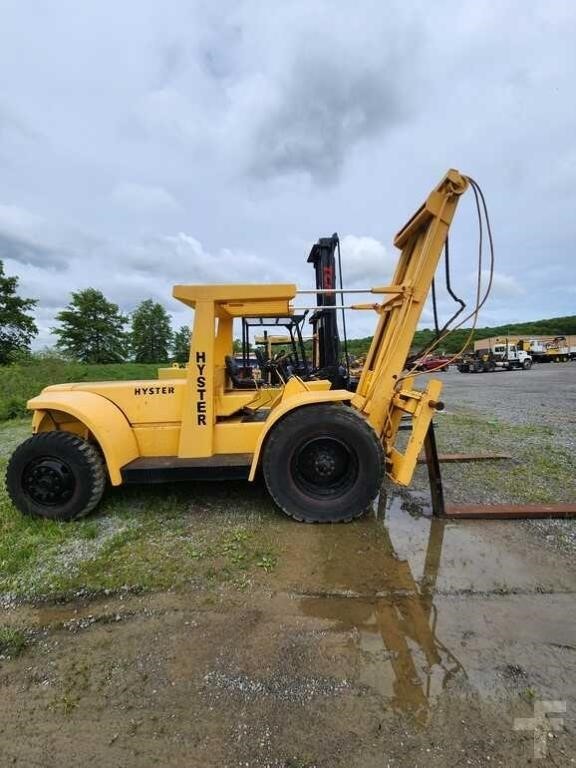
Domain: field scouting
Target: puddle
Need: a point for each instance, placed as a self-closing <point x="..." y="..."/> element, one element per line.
<point x="392" y="552"/>
<point x="402" y="657"/>
<point x="50" y="615"/>
<point x="390" y="611"/>
<point x="75" y="615"/>
<point x="429" y="604"/>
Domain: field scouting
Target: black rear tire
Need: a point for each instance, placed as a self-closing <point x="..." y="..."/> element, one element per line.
<point x="323" y="464"/>
<point x="56" y="475"/>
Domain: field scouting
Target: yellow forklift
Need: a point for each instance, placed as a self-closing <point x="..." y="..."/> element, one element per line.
<point x="322" y="451"/>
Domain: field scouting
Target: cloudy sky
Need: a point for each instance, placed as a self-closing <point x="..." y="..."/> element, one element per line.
<point x="145" y="143"/>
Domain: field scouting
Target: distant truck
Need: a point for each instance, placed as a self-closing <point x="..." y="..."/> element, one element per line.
<point x="508" y="355"/>
<point x="504" y="355"/>
<point x="480" y="361"/>
<point x="555" y="351"/>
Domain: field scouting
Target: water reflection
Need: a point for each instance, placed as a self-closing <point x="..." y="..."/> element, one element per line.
<point x="390" y="608"/>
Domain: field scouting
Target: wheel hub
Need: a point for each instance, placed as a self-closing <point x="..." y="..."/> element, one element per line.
<point x="323" y="466"/>
<point x="48" y="481"/>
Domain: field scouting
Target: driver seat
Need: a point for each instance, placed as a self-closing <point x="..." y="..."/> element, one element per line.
<point x="233" y="371"/>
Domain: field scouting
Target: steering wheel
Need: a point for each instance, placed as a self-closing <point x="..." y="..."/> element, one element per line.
<point x="262" y="362"/>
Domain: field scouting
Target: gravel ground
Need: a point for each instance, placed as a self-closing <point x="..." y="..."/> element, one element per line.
<point x="543" y="396"/>
<point x="529" y="415"/>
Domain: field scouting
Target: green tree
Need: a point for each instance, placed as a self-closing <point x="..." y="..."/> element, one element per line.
<point x="150" y="333"/>
<point x="181" y="345"/>
<point x="92" y="328"/>
<point x="17" y="327"/>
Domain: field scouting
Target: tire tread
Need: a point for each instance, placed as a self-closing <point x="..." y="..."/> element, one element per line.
<point x="90" y="453"/>
<point x="277" y="435"/>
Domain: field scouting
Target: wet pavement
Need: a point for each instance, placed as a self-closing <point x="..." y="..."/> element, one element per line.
<point x="431" y="602"/>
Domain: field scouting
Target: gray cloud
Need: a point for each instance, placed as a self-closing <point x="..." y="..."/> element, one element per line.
<point x="9" y="124"/>
<point x="173" y="58"/>
<point x="26" y="238"/>
<point x="142" y="196"/>
<point x="28" y="252"/>
<point x="326" y="107"/>
<point x="219" y="48"/>
<point x="12" y="126"/>
<point x="130" y="272"/>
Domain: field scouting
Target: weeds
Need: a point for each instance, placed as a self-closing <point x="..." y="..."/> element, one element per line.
<point x="22" y="380"/>
<point x="143" y="538"/>
<point x="540" y="472"/>
<point x="267" y="562"/>
<point x="12" y="642"/>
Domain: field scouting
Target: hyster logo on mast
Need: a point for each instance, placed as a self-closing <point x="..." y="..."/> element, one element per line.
<point x="201" y="389"/>
<point x="328" y="277"/>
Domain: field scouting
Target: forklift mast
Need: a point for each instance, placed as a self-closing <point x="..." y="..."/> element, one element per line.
<point x="326" y="357"/>
<point x="383" y="395"/>
<point x="327" y="340"/>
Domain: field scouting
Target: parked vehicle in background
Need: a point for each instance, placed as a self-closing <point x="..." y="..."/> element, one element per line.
<point x="555" y="351"/>
<point x="481" y="361"/>
<point x="503" y="355"/>
<point x="431" y="363"/>
<point x="507" y="355"/>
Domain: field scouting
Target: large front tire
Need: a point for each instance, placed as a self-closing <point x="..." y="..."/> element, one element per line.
<point x="323" y="464"/>
<point x="56" y="475"/>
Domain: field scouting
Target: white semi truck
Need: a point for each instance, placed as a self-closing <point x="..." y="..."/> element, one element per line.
<point x="508" y="355"/>
<point x="501" y="354"/>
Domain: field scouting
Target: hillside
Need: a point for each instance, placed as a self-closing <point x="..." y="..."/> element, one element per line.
<point x="21" y="381"/>
<point x="555" y="326"/>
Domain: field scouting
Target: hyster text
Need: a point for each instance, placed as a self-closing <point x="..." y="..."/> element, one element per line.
<point x="201" y="389"/>
<point x="153" y="390"/>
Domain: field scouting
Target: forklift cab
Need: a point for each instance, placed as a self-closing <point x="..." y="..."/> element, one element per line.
<point x="279" y="355"/>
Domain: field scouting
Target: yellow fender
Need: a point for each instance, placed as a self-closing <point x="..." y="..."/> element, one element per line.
<point x="100" y="416"/>
<point x="290" y="403"/>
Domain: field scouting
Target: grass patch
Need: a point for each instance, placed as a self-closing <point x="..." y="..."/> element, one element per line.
<point x="71" y="688"/>
<point x="148" y="537"/>
<point x="160" y="554"/>
<point x="541" y="471"/>
<point x="12" y="642"/>
<point x="23" y="380"/>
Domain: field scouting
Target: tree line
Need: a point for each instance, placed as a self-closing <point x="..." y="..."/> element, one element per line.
<point x="92" y="329"/>
<point x="556" y="326"/>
